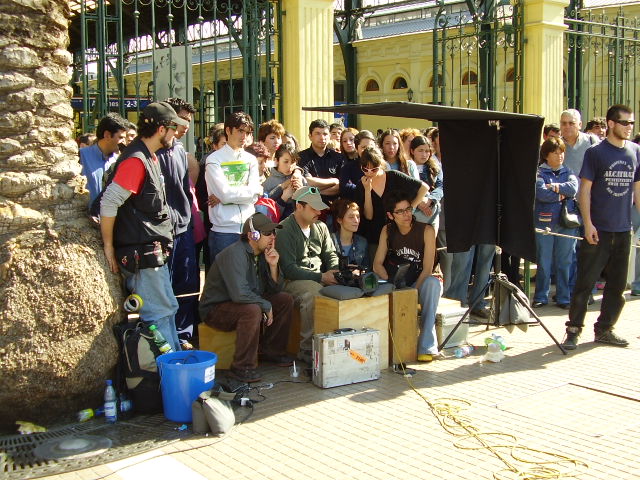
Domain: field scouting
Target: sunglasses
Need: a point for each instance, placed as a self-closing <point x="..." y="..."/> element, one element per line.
<point x="311" y="191"/>
<point x="268" y="233"/>
<point x="403" y="211"/>
<point x="625" y="123"/>
<point x="370" y="170"/>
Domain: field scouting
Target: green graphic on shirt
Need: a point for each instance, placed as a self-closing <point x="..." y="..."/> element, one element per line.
<point x="236" y="172"/>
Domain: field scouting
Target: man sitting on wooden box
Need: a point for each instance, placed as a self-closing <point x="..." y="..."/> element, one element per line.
<point x="243" y="292"/>
<point x="307" y="258"/>
<point x="403" y="240"/>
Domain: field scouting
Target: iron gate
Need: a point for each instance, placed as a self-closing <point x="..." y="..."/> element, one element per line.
<point x="478" y="54"/>
<point x="601" y="60"/>
<point x="221" y="55"/>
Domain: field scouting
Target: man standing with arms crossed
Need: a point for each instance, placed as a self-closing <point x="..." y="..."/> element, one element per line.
<point x="609" y="179"/>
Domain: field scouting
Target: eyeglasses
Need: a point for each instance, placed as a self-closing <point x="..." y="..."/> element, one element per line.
<point x="311" y="191"/>
<point x="370" y="170"/>
<point x="404" y="211"/>
<point x="268" y="234"/>
<point x="625" y="123"/>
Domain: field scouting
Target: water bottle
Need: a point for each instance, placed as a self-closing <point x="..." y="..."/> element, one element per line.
<point x="159" y="340"/>
<point x="110" y="408"/>
<point x="496" y="339"/>
<point x="463" y="351"/>
<point x="124" y="406"/>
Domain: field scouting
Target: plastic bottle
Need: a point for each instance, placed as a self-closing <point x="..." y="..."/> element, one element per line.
<point x="463" y="351"/>
<point x="496" y="339"/>
<point x="124" y="406"/>
<point x="159" y="340"/>
<point x="110" y="407"/>
<point x="89" y="413"/>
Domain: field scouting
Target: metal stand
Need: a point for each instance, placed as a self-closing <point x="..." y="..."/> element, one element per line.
<point x="498" y="278"/>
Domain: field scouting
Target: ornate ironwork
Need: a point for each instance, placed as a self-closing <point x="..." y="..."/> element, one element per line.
<point x="481" y="40"/>
<point x="601" y="62"/>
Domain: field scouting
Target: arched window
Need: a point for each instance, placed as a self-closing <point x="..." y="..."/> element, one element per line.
<point x="440" y="83"/>
<point x="510" y="75"/>
<point x="470" y="78"/>
<point x="399" y="83"/>
<point x="372" y="86"/>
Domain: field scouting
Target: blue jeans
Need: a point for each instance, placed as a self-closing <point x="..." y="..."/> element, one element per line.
<point x="160" y="304"/>
<point x="610" y="254"/>
<point x="219" y="241"/>
<point x="185" y="279"/>
<point x="461" y="272"/>
<point x="552" y="250"/>
<point x="635" y="219"/>
<point x="428" y="296"/>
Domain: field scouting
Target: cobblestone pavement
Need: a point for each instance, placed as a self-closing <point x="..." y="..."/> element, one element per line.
<point x="582" y="407"/>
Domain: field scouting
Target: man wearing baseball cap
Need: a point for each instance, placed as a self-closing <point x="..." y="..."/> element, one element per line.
<point x="308" y="258"/>
<point x="135" y="222"/>
<point x="243" y="292"/>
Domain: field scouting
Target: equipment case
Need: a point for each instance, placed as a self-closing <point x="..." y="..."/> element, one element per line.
<point x="346" y="356"/>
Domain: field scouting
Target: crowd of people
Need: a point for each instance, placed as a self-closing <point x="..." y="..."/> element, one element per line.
<point x="273" y="223"/>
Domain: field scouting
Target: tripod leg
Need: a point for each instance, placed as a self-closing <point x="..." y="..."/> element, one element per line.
<point x="535" y="315"/>
<point x="466" y="314"/>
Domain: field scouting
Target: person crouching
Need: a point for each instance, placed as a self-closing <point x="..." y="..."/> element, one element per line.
<point x="243" y="292"/>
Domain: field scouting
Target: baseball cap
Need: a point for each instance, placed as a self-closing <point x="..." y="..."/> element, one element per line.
<point x="157" y="112"/>
<point x="261" y="223"/>
<point x="310" y="195"/>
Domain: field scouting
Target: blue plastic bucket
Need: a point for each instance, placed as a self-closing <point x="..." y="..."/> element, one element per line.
<point x="183" y="376"/>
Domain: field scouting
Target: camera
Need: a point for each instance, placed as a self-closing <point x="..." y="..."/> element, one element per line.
<point x="355" y="276"/>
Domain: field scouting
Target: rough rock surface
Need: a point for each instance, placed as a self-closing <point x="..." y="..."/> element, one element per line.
<point x="58" y="301"/>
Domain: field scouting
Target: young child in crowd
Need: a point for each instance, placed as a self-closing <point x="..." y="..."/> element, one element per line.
<point x="284" y="179"/>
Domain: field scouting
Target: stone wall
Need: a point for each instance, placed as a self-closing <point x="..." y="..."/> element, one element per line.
<point x="58" y="301"/>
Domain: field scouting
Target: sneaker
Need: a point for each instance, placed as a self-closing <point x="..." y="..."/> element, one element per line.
<point x="591" y="300"/>
<point x="610" y="338"/>
<point x="571" y="338"/>
<point x="279" y="360"/>
<point x="538" y="304"/>
<point x="564" y="306"/>
<point x="246" y="375"/>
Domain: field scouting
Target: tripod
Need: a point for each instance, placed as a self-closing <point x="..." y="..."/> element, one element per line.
<point x="502" y="289"/>
<point x="502" y="286"/>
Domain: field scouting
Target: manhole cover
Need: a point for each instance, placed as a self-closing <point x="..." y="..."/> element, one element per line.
<point x="578" y="409"/>
<point x="83" y="445"/>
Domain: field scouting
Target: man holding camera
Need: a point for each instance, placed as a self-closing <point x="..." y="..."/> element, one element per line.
<point x="243" y="292"/>
<point x="307" y="258"/>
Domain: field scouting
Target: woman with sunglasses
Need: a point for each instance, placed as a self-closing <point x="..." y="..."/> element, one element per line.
<point x="391" y="146"/>
<point x="350" y="174"/>
<point x="374" y="186"/>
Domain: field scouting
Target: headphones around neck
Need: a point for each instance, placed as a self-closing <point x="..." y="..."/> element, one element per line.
<point x="253" y="233"/>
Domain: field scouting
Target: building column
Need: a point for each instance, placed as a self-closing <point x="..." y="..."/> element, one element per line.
<point x="307" y="63"/>
<point x="544" y="58"/>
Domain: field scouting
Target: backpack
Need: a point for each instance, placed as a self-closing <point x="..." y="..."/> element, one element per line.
<point x="137" y="368"/>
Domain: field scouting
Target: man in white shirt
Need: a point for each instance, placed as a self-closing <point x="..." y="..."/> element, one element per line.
<point x="233" y="180"/>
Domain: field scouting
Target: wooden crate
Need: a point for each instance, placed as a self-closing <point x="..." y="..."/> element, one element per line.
<point x="370" y="312"/>
<point x="403" y="312"/>
<point x="219" y="342"/>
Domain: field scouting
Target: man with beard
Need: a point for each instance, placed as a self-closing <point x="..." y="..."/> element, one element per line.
<point x="135" y="222"/>
<point x="609" y="180"/>
<point x="243" y="292"/>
